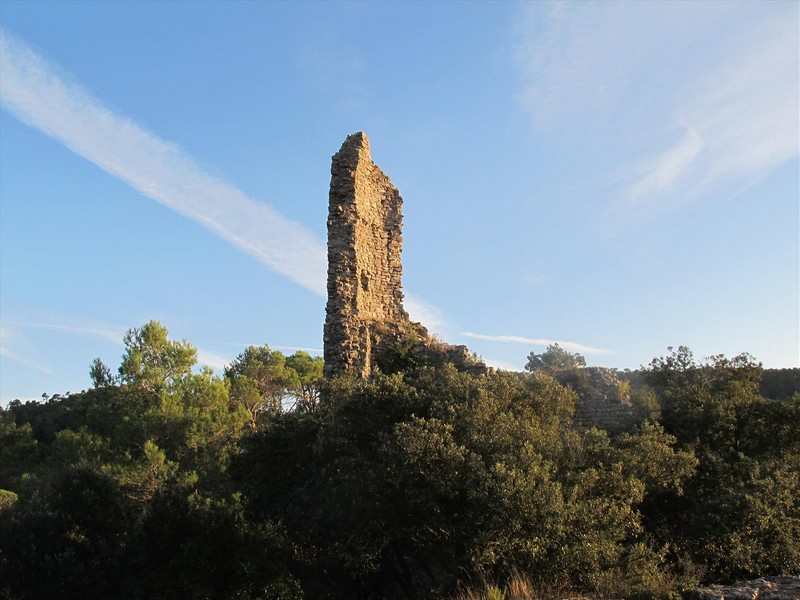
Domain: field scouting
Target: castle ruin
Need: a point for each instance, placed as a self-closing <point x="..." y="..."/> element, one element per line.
<point x="365" y="240"/>
<point x="364" y="316"/>
<point x="365" y="319"/>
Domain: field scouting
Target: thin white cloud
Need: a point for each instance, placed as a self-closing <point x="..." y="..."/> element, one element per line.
<point x="424" y="312"/>
<point x="741" y="119"/>
<point x="723" y="79"/>
<point x="10" y="336"/>
<point x="10" y="343"/>
<point x="210" y="359"/>
<point x="516" y="339"/>
<point x="272" y="346"/>
<point x="113" y="335"/>
<point x="660" y="175"/>
<point x="750" y="112"/>
<point x="501" y="364"/>
<point x="580" y="61"/>
<point x="31" y="91"/>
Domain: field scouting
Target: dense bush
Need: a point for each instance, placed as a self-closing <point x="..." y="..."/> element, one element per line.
<point x="740" y="515"/>
<point x="271" y="483"/>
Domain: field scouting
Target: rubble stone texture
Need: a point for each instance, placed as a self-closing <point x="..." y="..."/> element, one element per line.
<point x="365" y="315"/>
<point x="601" y="401"/>
<point x="365" y="240"/>
<point x="365" y="319"/>
<point x="764" y="588"/>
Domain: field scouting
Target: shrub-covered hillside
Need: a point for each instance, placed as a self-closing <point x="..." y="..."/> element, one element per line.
<point x="269" y="482"/>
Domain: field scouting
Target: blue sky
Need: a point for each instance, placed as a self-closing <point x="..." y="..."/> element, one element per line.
<point x="617" y="177"/>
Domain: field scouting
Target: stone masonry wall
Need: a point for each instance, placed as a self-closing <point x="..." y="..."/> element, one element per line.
<point x="364" y="269"/>
<point x="365" y="316"/>
<point x="601" y="400"/>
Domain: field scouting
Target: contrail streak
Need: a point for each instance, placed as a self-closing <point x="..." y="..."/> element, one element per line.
<point x="33" y="93"/>
<point x="516" y="339"/>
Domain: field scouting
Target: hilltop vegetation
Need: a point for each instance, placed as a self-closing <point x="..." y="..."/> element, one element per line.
<point x="269" y="482"/>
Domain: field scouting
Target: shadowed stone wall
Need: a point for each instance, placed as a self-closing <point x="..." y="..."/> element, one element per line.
<point x="602" y="399"/>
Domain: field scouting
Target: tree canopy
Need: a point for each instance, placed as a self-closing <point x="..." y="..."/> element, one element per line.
<point x="151" y="360"/>
<point x="270" y="482"/>
<point x="264" y="381"/>
<point x="554" y="359"/>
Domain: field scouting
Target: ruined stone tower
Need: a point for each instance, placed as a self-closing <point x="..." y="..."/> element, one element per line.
<point x="364" y="270"/>
<point x="364" y="319"/>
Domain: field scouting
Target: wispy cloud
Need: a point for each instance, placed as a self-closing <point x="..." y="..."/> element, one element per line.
<point x="516" y="339"/>
<point x="272" y="346"/>
<point x="424" y="312"/>
<point x="700" y="96"/>
<point x="32" y="91"/>
<point x="11" y="341"/>
<point x="501" y="364"/>
<point x="741" y="119"/>
<point x="660" y="174"/>
<point x="210" y="359"/>
<point x="113" y="335"/>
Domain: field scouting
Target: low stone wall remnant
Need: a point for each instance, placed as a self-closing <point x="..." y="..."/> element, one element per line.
<point x="603" y="400"/>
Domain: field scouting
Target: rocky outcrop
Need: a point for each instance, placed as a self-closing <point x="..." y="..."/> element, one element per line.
<point x="764" y="588"/>
<point x="364" y="317"/>
<point x="603" y="400"/>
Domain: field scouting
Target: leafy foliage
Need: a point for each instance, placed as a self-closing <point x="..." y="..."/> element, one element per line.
<point x="263" y="380"/>
<point x="740" y="513"/>
<point x="151" y="360"/>
<point x="101" y="375"/>
<point x="269" y="482"/>
<point x="780" y="384"/>
<point x="404" y="484"/>
<point x="554" y="359"/>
